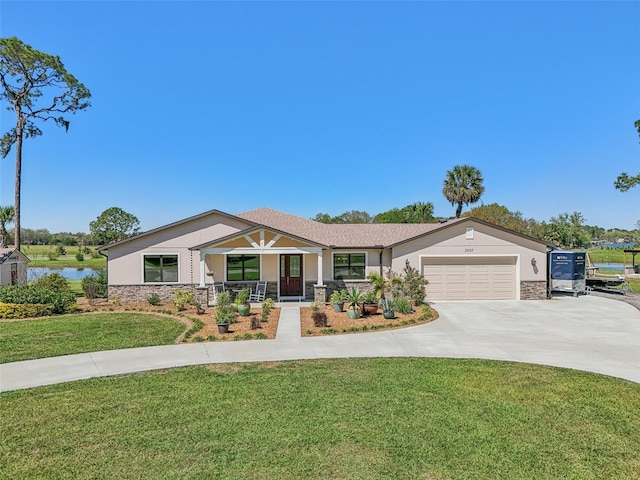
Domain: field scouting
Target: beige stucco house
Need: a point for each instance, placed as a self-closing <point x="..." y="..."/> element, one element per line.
<point x="302" y="259"/>
<point x="13" y="267"/>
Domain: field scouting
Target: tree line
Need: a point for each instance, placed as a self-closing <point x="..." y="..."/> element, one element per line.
<point x="564" y="230"/>
<point x="110" y="226"/>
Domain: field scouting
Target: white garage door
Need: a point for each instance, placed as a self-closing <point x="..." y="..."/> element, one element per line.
<point x="470" y="278"/>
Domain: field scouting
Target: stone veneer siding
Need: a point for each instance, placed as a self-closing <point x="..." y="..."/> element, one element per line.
<point x="533" y="290"/>
<point x="319" y="293"/>
<point x="141" y="293"/>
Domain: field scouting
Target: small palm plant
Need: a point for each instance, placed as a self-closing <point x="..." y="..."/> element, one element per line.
<point x="354" y="299"/>
<point x="387" y="308"/>
<point x="378" y="283"/>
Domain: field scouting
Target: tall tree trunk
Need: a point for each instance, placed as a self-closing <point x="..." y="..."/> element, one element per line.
<point x="16" y="221"/>
<point x="459" y="210"/>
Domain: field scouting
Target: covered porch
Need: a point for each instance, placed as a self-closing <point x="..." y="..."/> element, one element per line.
<point x="292" y="267"/>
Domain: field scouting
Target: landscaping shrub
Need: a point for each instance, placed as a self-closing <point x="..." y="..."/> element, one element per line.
<point x="411" y="285"/>
<point x="154" y="299"/>
<point x="427" y="313"/>
<point x="319" y="319"/>
<point x="61" y="301"/>
<point x="95" y="286"/>
<point x="224" y="311"/>
<point x="53" y="281"/>
<point x="267" y="305"/>
<point x="402" y="305"/>
<point x="79" y="257"/>
<point x="414" y="284"/>
<point x="182" y="299"/>
<point x="26" y="310"/>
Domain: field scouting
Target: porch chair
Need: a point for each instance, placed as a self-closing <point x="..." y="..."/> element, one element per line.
<point x="260" y="292"/>
<point x="218" y="288"/>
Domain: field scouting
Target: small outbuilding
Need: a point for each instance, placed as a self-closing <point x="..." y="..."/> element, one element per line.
<point x="13" y="267"/>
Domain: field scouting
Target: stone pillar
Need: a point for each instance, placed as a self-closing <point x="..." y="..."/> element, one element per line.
<point x="320" y="294"/>
<point x="202" y="296"/>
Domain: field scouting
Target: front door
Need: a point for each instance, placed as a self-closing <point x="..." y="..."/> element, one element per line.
<point x="291" y="276"/>
<point x="14" y="274"/>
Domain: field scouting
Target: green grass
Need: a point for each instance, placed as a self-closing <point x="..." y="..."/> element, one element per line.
<point x="68" y="261"/>
<point x="63" y="335"/>
<point x="353" y="418"/>
<point x="39" y="256"/>
<point x="76" y="287"/>
<point x="609" y="255"/>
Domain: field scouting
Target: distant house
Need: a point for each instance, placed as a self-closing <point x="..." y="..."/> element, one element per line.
<point x="302" y="259"/>
<point x="13" y="267"/>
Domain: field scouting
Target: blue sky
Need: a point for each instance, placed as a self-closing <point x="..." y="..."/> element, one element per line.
<point x="315" y="106"/>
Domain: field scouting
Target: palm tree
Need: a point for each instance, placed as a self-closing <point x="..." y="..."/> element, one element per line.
<point x="462" y="186"/>
<point x="7" y="214"/>
<point x="419" y="212"/>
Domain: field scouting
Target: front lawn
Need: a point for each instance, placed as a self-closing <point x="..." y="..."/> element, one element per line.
<point x="347" y="418"/>
<point x="67" y="334"/>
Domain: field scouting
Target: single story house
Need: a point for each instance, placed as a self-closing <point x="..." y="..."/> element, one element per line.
<point x="13" y="267"/>
<point x="301" y="259"/>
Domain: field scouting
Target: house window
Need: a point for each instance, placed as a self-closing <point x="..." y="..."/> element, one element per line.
<point x="348" y="266"/>
<point x="161" y="268"/>
<point x="243" y="267"/>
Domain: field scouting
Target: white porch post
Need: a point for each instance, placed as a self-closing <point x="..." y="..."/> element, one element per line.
<point x="202" y="265"/>
<point x="320" y="276"/>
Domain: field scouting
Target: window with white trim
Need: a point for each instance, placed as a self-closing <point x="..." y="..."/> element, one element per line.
<point x="160" y="268"/>
<point x="349" y="266"/>
<point x="243" y="267"/>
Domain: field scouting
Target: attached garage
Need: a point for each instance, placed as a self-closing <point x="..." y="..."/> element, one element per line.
<point x="471" y="277"/>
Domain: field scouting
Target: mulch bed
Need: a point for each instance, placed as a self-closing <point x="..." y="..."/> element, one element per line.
<point x="339" y="323"/>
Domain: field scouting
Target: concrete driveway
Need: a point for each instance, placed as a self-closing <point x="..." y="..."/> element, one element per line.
<point x="587" y="333"/>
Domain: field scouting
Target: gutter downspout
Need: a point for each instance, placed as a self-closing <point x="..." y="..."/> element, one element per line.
<point x="106" y="270"/>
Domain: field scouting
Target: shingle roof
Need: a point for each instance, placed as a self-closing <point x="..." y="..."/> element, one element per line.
<point x="341" y="235"/>
<point x="5" y="254"/>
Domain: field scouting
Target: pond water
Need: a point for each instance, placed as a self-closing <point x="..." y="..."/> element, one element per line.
<point x="609" y="266"/>
<point x="69" y="273"/>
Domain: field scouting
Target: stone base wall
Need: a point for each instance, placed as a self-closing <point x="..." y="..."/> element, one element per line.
<point x="333" y="285"/>
<point x="141" y="293"/>
<point x="533" y="290"/>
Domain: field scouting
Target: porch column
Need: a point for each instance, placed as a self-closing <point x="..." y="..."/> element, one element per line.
<point x="320" y="276"/>
<point x="202" y="265"/>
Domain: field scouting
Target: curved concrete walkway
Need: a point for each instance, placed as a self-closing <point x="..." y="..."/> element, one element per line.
<point x="587" y="333"/>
